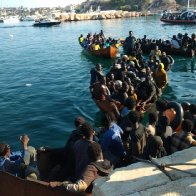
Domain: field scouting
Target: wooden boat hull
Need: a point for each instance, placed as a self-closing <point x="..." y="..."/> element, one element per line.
<point x="109" y="52"/>
<point x="11" y="185"/>
<point x="178" y="22"/>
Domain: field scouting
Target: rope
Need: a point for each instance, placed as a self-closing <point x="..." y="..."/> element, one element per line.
<point x="163" y="166"/>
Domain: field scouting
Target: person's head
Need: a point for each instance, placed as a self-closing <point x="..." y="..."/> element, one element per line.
<point x="4" y="149"/>
<point x="156" y="47"/>
<point x="125" y="86"/>
<point x="174" y="36"/>
<point x="185" y="106"/>
<point x="130" y="103"/>
<point x="164" y="54"/>
<point x="152" y="118"/>
<point x="160" y="66"/>
<point x="87" y="130"/>
<point x="193" y="36"/>
<point x="154" y="144"/>
<point x="163" y="121"/>
<point x="79" y="121"/>
<point x="98" y="67"/>
<point x="134" y="117"/>
<point x="192" y="108"/>
<point x="95" y="152"/>
<point x="187" y="125"/>
<point x="130" y="33"/>
<point x="161" y="105"/>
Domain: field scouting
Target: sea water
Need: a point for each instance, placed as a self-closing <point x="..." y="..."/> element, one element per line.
<point x="45" y="74"/>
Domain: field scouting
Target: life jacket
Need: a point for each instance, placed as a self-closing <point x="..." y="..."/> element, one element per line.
<point x="97" y="47"/>
<point x="81" y="39"/>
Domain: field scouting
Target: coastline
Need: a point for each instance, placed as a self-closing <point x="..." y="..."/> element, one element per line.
<point x="103" y="15"/>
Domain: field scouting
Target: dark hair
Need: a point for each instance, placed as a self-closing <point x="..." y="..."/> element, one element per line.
<point x="130" y="103"/>
<point x="163" y="121"/>
<point x="87" y="130"/>
<point x="79" y="121"/>
<point x="192" y="108"/>
<point x="187" y="125"/>
<point x="3" y="149"/>
<point x="134" y="116"/>
<point x="94" y="151"/>
<point x="161" y="105"/>
<point x="152" y="117"/>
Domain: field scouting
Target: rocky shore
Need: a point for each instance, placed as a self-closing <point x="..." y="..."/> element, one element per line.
<point x="100" y="15"/>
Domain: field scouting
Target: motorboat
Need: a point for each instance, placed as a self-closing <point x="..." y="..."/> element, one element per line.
<point x="46" y="23"/>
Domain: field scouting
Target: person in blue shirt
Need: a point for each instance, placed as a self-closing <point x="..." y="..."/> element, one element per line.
<point x="111" y="144"/>
<point x="16" y="164"/>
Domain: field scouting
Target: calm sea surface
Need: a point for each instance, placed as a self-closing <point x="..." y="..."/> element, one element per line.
<point x="44" y="76"/>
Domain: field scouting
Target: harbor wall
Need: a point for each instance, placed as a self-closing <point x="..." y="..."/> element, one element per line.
<point x="144" y="179"/>
<point x="99" y="16"/>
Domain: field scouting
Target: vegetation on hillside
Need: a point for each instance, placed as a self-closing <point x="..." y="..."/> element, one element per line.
<point x="134" y="5"/>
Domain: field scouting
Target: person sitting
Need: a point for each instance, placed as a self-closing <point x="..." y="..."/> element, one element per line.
<point x="130" y="105"/>
<point x="146" y="92"/>
<point x="81" y="39"/>
<point x="156" y="53"/>
<point x="175" y="43"/>
<point x="160" y="76"/>
<point x="101" y="95"/>
<point x="96" y="74"/>
<point x="80" y="149"/>
<point x="154" y="148"/>
<point x="152" y="120"/>
<point x="165" y="132"/>
<point x="166" y="61"/>
<point x="111" y="144"/>
<point x="98" y="167"/>
<point x="96" y="46"/>
<point x="137" y="135"/>
<point x="183" y="139"/>
<point x="19" y="165"/>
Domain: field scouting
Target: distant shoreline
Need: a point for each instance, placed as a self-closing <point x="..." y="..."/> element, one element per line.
<point x="103" y="15"/>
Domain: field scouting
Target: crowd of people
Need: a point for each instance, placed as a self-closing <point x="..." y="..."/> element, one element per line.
<point x="130" y="87"/>
<point x="96" y="41"/>
<point x="182" y="42"/>
<point x="191" y="15"/>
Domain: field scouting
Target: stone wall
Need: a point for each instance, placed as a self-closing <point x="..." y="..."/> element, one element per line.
<point x="99" y="16"/>
<point x="143" y="179"/>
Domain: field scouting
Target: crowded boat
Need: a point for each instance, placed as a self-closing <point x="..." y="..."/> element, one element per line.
<point x="187" y="16"/>
<point x="99" y="45"/>
<point x="124" y="94"/>
<point x="180" y="44"/>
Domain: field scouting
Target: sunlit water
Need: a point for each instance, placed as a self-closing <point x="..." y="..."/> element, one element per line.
<point x="44" y="76"/>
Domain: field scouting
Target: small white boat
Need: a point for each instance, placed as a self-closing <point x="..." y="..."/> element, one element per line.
<point x="46" y="23"/>
<point x="12" y="19"/>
